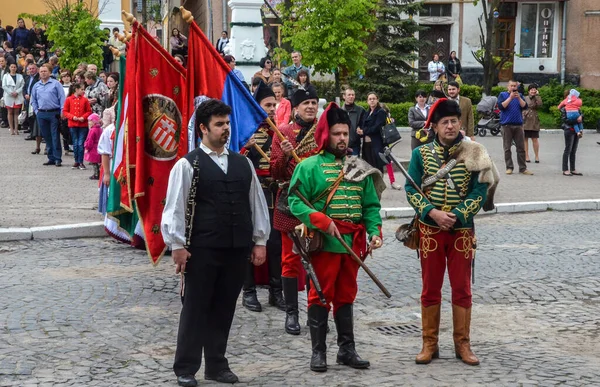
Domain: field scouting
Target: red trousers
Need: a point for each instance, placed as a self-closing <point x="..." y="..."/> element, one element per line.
<point x="439" y="249"/>
<point x="337" y="276"/>
<point x="291" y="266"/>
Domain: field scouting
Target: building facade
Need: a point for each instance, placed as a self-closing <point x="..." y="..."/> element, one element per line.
<point x="532" y="29"/>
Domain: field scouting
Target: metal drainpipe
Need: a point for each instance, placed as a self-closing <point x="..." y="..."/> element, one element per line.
<point x="210" y="20"/>
<point x="563" y="48"/>
<point x="224" y="2"/>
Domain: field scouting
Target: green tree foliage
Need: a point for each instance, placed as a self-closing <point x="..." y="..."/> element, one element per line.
<point x="391" y="49"/>
<point x="75" y="31"/>
<point x="330" y="34"/>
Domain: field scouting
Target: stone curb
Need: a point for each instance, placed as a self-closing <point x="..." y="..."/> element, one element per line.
<point x="65" y="231"/>
<point x="507" y="208"/>
<point x="96" y="229"/>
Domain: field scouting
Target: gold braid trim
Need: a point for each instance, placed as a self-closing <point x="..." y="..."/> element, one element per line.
<point x="464" y="242"/>
<point x="418" y="202"/>
<point x="427" y="244"/>
<point x="472" y="206"/>
<point x="308" y="144"/>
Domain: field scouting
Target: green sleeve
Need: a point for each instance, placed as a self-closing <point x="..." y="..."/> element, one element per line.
<point x="470" y="206"/>
<point x="421" y="204"/>
<point x="371" y="207"/>
<point x="298" y="208"/>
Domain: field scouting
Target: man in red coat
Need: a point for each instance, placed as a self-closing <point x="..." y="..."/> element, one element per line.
<point x="299" y="138"/>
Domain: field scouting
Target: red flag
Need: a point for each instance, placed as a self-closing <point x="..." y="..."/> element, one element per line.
<point x="156" y="135"/>
<point x="210" y="77"/>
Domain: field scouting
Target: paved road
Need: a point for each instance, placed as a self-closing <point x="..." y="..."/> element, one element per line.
<point x="34" y="195"/>
<point x="94" y="312"/>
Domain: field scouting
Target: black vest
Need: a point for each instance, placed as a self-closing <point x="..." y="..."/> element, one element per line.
<point x="222" y="218"/>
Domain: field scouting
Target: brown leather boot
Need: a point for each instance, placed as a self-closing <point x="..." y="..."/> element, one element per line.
<point x="462" y="342"/>
<point x="430" y="317"/>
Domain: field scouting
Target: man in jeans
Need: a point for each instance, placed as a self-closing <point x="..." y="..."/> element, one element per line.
<point x="47" y="100"/>
<point x="511" y="103"/>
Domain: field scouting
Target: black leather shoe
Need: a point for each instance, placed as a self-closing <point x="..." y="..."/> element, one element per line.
<point x="49" y="163"/>
<point x="276" y="299"/>
<point x="29" y="138"/>
<point x="250" y="302"/>
<point x="224" y="376"/>
<point x="187" y="381"/>
<point x="290" y="290"/>
<point x="58" y="164"/>
<point x="344" y="324"/>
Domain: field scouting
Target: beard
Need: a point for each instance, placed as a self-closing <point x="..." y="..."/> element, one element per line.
<point x="337" y="152"/>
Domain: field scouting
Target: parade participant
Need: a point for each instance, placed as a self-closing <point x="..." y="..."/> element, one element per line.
<point x="453" y="195"/>
<point x="345" y="206"/>
<point x="263" y="139"/>
<point x="214" y="212"/>
<point x="299" y="138"/>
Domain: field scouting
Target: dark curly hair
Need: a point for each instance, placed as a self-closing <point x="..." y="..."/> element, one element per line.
<point x="207" y="109"/>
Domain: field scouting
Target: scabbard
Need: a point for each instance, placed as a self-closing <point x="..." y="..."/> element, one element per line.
<point x="310" y="270"/>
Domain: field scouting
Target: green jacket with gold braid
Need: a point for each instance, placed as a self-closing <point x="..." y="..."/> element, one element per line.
<point x="354" y="202"/>
<point x="464" y="204"/>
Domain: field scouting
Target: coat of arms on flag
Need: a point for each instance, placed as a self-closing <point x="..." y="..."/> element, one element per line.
<point x="162" y="122"/>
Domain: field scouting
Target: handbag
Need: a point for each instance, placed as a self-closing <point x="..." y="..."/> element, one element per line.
<point x="408" y="234"/>
<point x="389" y="133"/>
<point x="458" y="79"/>
<point x="310" y="238"/>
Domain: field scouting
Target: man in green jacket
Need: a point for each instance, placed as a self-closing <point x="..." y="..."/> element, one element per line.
<point x="343" y="191"/>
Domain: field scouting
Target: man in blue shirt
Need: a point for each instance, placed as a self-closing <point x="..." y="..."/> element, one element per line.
<point x="47" y="100"/>
<point x="292" y="71"/>
<point x="511" y="105"/>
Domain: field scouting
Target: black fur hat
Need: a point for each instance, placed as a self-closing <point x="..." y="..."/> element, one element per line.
<point x="442" y="108"/>
<point x="302" y="95"/>
<point x="263" y="91"/>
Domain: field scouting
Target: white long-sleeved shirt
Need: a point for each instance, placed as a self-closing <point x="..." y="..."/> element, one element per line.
<point x="433" y="68"/>
<point x="180" y="181"/>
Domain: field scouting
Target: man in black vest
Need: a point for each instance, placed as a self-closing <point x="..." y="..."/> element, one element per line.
<point x="263" y="139"/>
<point x="215" y="212"/>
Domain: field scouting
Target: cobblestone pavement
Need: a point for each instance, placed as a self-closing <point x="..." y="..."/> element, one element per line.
<point x="34" y="195"/>
<point x="92" y="312"/>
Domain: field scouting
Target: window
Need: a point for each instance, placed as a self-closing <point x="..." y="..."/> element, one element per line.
<point x="537" y="30"/>
<point x="436" y="10"/>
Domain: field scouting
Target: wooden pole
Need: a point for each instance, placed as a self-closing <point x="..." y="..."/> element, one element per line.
<point x="282" y="137"/>
<point x="262" y="153"/>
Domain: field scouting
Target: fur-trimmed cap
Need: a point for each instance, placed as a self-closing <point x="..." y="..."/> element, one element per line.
<point x="443" y="107"/>
<point x="331" y="116"/>
<point x="302" y="95"/>
<point x="262" y="91"/>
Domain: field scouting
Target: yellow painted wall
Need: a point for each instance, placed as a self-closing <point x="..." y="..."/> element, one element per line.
<point x="10" y="9"/>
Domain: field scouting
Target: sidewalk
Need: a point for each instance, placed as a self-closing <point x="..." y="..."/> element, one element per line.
<point x="34" y="195"/>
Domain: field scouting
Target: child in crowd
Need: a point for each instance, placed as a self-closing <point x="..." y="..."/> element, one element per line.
<point x="91" y="144"/>
<point x="77" y="110"/>
<point x="572" y="105"/>
<point x="105" y="150"/>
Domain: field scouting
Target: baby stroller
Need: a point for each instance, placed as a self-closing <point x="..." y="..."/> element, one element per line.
<point x="490" y="116"/>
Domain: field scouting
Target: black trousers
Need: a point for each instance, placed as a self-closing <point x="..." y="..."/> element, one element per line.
<point x="570" y="152"/>
<point x="273" y="260"/>
<point x="66" y="134"/>
<point x="4" y="115"/>
<point x="213" y="282"/>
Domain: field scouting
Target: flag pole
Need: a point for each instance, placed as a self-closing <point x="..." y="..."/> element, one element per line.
<point x="262" y="153"/>
<point x="282" y="138"/>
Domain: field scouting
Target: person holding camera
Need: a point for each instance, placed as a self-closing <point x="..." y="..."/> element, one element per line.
<point x="511" y="104"/>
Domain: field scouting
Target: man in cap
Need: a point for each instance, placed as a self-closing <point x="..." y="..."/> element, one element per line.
<point x="457" y="178"/>
<point x="262" y="140"/>
<point x="299" y="137"/>
<point x="343" y="206"/>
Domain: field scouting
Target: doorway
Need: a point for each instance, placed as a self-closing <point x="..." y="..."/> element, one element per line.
<point x="439" y="36"/>
<point x="505" y="46"/>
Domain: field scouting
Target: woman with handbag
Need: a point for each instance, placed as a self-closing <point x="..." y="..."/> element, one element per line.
<point x="370" y="131"/>
<point x="12" y="84"/>
<point x="454" y="68"/>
